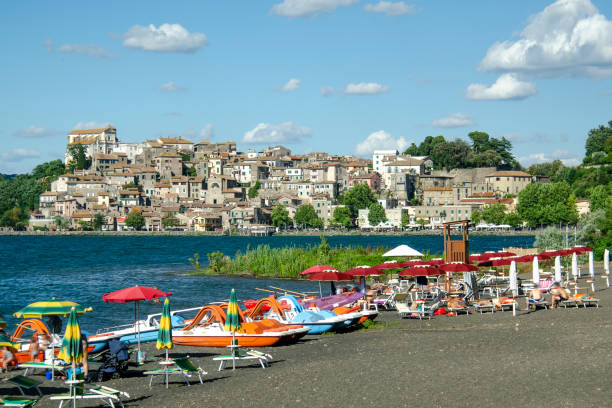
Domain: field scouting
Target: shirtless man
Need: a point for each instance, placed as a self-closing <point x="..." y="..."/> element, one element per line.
<point x="536" y="293"/>
<point x="558" y="294"/>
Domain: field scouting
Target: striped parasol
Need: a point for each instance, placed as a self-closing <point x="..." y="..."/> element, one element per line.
<point x="72" y="346"/>
<point x="5" y="341"/>
<point x="232" y="323"/>
<point x="164" y="333"/>
<point x="51" y="307"/>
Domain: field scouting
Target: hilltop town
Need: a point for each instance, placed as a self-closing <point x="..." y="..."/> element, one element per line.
<point x="173" y="183"/>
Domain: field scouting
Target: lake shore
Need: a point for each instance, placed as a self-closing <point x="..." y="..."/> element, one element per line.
<point x="558" y="357"/>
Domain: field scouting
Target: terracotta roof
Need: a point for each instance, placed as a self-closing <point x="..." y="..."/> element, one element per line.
<point x="98" y="207"/>
<point x="103" y="193"/>
<point x="168" y="154"/>
<point x="102" y="156"/>
<point x="81" y="214"/>
<point x="173" y="140"/>
<point x="482" y="195"/>
<point x="509" y="173"/>
<point x="90" y="131"/>
<point x="438" y="189"/>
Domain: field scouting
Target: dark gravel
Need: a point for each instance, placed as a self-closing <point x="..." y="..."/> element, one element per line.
<point x="546" y="358"/>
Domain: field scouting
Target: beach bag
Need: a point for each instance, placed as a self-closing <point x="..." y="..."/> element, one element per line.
<point x="440" y="311"/>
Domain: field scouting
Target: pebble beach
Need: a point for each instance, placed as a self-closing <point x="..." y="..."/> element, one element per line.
<point x="551" y="358"/>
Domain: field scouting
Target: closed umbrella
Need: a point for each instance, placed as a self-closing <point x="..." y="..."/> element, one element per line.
<point x="607" y="261"/>
<point x="513" y="278"/>
<point x="574" y="265"/>
<point x="72" y="348"/>
<point x="591" y="265"/>
<point x="164" y="334"/>
<point x="232" y="323"/>
<point x="558" y="277"/>
<point x="536" y="271"/>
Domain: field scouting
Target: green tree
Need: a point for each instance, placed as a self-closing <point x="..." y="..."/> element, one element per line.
<point x="61" y="222"/>
<point x="377" y="214"/>
<point x="412" y="150"/>
<point x="79" y="159"/>
<point x="494" y="213"/>
<point x="421" y="222"/>
<point x="98" y="221"/>
<point x="476" y="216"/>
<point x="598" y="197"/>
<point x="254" y="190"/>
<point x="85" y="226"/>
<point x="46" y="173"/>
<point x="451" y="155"/>
<point x="513" y="219"/>
<point x="13" y="218"/>
<point x="546" y="204"/>
<point x="280" y="216"/>
<point x="405" y="220"/>
<point x="169" y="220"/>
<point x="358" y="197"/>
<point x="550" y="238"/>
<point x="429" y="144"/>
<point x="342" y="216"/>
<point x="135" y="220"/>
<point x="306" y="217"/>
<point x="596" y="139"/>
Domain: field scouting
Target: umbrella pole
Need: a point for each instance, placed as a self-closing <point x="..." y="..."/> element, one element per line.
<point x="320" y="290"/>
<point x="52" y="354"/>
<point x="72" y="385"/>
<point x="234" y="348"/>
<point x="166" y="369"/>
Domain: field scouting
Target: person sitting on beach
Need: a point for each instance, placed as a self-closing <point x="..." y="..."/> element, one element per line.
<point x="7" y="358"/>
<point x="536" y="293"/>
<point x="559" y="294"/>
<point x="457" y="303"/>
<point x="34" y="348"/>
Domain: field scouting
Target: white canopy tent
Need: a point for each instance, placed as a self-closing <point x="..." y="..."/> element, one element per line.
<point x="403" y="250"/>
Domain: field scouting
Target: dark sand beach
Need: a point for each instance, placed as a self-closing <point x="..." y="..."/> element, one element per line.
<point x="545" y="358"/>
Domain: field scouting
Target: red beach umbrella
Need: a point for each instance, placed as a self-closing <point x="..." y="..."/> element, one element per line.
<point x="436" y="262"/>
<point x="580" y="249"/>
<point x="504" y="254"/>
<point x="389" y="265"/>
<point x="317" y="268"/>
<point x="416" y="262"/>
<point x="420" y="271"/>
<point x="332" y="276"/>
<point x="458" y="267"/>
<point x="478" y="258"/>
<point x="135" y="294"/>
<point x="496" y="262"/>
<point x="364" y="271"/>
<point x="529" y="258"/>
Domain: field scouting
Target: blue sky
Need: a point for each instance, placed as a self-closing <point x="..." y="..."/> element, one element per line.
<point x="342" y="76"/>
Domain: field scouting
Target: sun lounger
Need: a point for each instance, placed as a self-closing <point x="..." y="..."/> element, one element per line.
<point x="26" y="383"/>
<point x="244" y="354"/>
<point x="32" y="365"/>
<point x="183" y="366"/>
<point x="405" y="311"/>
<point x="484" y="308"/>
<point x="21" y="402"/>
<point x="534" y="304"/>
<point x="588" y="301"/>
<point x="87" y="395"/>
<point x="458" y="310"/>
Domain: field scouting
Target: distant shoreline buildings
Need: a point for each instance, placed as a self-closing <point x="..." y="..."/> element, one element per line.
<point x="205" y="185"/>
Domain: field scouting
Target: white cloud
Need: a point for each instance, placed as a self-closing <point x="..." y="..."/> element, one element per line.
<point x="172" y="87"/>
<point x="308" y="8"/>
<point x="19" y="154"/>
<point x="287" y="132"/>
<point x="507" y="86"/>
<point x="291" y="85"/>
<point x="453" y="120"/>
<point x="567" y="37"/>
<point x="380" y="140"/>
<point x="91" y="125"/>
<point x="207" y="132"/>
<point x="91" y="50"/>
<point x="568" y="158"/>
<point x="390" y="8"/>
<point x="365" y="88"/>
<point x="35" y="131"/>
<point x="166" y="38"/>
<point x="327" y="91"/>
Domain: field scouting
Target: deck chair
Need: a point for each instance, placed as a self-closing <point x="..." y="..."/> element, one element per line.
<point x="590" y="300"/>
<point x="484" y="308"/>
<point x="405" y="311"/>
<point x="183" y="366"/>
<point x="534" y="304"/>
<point x="399" y="298"/>
<point x="239" y="353"/>
<point x="576" y="301"/>
<point x="33" y="365"/>
<point x="17" y="402"/>
<point x="26" y="383"/>
<point x="83" y="392"/>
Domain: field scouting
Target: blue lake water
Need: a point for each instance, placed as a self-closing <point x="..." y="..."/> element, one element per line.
<point x="83" y="268"/>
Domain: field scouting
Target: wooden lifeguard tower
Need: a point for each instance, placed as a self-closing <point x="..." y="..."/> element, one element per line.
<point x="456" y="250"/>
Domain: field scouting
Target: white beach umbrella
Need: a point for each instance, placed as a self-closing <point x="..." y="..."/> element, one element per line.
<point x="558" y="277"/>
<point x="536" y="271"/>
<point x="574" y="266"/>
<point x="513" y="278"/>
<point x="403" y="250"/>
<point x="591" y="265"/>
<point x="607" y="261"/>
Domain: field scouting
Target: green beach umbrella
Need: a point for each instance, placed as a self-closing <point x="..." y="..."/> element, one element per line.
<point x="164" y="334"/>
<point x="72" y="347"/>
<point x="5" y="341"/>
<point x="232" y="323"/>
<point x="51" y="307"/>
